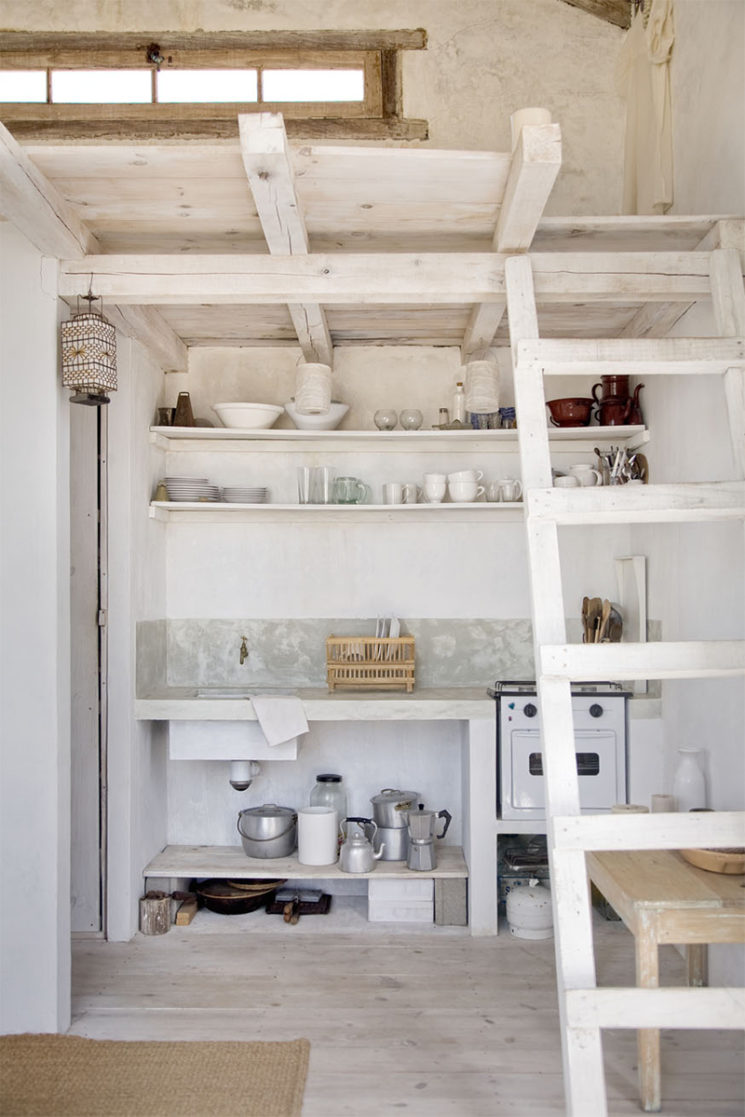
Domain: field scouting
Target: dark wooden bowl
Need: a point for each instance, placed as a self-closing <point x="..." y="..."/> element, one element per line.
<point x="221" y="897"/>
<point x="574" y="411"/>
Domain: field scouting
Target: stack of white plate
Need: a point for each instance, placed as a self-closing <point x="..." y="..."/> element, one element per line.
<point x="245" y="494"/>
<point x="191" y="488"/>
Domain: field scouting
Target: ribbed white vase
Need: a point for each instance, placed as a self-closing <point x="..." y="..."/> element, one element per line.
<point x="689" y="782"/>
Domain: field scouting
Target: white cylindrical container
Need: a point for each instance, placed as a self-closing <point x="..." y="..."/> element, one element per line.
<point x="317" y="828"/>
<point x="689" y="782"/>
<point x="529" y="914"/>
<point x="662" y="803"/>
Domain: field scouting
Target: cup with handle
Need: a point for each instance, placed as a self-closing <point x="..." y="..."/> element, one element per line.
<point x="463" y="492"/>
<point x="510" y="490"/>
<point x="350" y="490"/>
<point x="466" y="475"/>
<point x="435" y="485"/>
<point x="412" y="494"/>
<point x="585" y="474"/>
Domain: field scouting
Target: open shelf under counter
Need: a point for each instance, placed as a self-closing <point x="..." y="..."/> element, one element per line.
<point x="218" y="512"/>
<point x="215" y="439"/>
<point x="230" y="862"/>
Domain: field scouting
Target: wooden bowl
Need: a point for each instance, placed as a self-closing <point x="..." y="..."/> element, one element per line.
<point x="221" y="897"/>
<point x="730" y="861"/>
<point x="574" y="411"/>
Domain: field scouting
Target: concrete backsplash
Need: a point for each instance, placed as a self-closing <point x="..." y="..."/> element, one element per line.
<point x="206" y="652"/>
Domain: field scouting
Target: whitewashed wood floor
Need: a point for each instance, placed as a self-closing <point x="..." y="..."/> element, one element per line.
<point x="433" y="1024"/>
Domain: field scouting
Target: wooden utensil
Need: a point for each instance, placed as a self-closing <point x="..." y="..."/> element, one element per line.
<point x="603" y="621"/>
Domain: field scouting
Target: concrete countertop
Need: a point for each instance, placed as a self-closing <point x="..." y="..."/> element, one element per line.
<point x="424" y="704"/>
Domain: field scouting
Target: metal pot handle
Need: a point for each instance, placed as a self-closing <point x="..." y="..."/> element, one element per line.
<point x="273" y="838"/>
<point x="448" y="819"/>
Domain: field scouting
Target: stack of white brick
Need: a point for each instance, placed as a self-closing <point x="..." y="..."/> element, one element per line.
<point x="400" y="901"/>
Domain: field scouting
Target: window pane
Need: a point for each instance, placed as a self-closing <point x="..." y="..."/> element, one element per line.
<point x="86" y="87"/>
<point x="207" y="85"/>
<point x="23" y="85"/>
<point x="313" y="85"/>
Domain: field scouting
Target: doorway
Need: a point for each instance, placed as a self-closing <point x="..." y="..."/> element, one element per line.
<point x="88" y="600"/>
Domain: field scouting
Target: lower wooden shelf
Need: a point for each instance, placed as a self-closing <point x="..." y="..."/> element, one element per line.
<point x="231" y="861"/>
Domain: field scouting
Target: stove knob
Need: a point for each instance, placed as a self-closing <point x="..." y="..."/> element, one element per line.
<point x="596" y="711"/>
<point x="530" y="710"/>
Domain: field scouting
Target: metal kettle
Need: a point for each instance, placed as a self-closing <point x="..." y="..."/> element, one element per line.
<point x="357" y="854"/>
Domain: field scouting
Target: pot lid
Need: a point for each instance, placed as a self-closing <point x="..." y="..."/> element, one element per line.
<point x="269" y="810"/>
<point x="390" y="795"/>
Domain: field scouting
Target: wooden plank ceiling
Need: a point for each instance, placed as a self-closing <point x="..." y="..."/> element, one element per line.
<point x="264" y="196"/>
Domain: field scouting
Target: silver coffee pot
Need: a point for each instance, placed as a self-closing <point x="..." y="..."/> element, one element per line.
<point x="422" y="827"/>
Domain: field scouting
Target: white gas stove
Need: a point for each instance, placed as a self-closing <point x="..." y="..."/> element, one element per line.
<point x="599" y="711"/>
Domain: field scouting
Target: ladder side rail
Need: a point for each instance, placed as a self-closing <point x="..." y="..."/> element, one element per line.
<point x="582" y="1056"/>
<point x="728" y="298"/>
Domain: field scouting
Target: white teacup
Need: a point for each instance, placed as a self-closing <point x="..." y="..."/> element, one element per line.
<point x="412" y="493"/>
<point x="585" y="474"/>
<point x="466" y="475"/>
<point x="566" y="482"/>
<point x="434" y="491"/>
<point x="510" y="489"/>
<point x="393" y="493"/>
<point x="464" y="491"/>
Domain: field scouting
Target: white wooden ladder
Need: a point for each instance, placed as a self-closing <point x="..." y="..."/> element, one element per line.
<point x="585" y="1009"/>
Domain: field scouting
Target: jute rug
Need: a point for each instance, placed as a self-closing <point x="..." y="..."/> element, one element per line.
<point x="68" y="1076"/>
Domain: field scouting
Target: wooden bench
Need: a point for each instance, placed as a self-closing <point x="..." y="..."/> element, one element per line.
<point x="663" y="899"/>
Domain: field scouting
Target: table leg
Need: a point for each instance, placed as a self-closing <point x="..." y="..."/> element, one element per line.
<point x="697" y="964"/>
<point x="648" y="1039"/>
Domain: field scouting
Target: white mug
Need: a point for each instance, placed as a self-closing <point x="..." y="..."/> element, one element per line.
<point x="466" y="475"/>
<point x="509" y="490"/>
<point x="393" y="493"/>
<point x="412" y="493"/>
<point x="434" y="491"/>
<point x="464" y="491"/>
<point x="585" y="474"/>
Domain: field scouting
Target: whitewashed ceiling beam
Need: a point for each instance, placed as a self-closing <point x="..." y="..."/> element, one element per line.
<point x="266" y="157"/>
<point x="370" y="278"/>
<point x="42" y="214"/>
<point x="535" y="164"/>
<point x="35" y="206"/>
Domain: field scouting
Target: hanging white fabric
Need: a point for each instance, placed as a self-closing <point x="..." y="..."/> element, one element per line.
<point x="643" y="78"/>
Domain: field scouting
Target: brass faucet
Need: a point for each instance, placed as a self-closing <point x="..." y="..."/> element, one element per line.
<point x="244" y="650"/>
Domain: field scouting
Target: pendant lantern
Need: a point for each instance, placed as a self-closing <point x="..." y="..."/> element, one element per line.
<point x="89" y="356"/>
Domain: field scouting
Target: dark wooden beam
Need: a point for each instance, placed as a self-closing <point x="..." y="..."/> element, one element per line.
<point x="617" y="12"/>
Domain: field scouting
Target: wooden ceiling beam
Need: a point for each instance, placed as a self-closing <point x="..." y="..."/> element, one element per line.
<point x="533" y="169"/>
<point x="386" y="278"/>
<point x="266" y="157"/>
<point x="617" y="12"/>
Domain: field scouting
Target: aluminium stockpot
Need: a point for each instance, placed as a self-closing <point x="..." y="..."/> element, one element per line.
<point x="391" y="805"/>
<point x="268" y="831"/>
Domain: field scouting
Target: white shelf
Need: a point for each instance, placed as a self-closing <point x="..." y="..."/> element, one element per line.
<point x="214" y="512"/>
<point x="229" y="862"/>
<point x="213" y="439"/>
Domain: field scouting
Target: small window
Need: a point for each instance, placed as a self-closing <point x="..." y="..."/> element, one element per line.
<point x="207" y="86"/>
<point x="100" y="87"/>
<point x="313" y="85"/>
<point x="23" y="86"/>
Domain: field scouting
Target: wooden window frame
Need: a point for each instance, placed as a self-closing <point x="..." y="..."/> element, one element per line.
<point x="379" y="115"/>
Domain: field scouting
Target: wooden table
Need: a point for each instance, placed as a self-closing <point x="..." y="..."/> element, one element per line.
<point x="663" y="899"/>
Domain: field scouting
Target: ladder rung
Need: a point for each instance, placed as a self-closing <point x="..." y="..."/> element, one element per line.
<point x="679" y="1007"/>
<point x="695" y="830"/>
<point x="609" y="504"/>
<point x="636" y="356"/>
<point x="689" y="659"/>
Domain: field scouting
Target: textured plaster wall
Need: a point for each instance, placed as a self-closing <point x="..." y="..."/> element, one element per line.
<point x="484" y="60"/>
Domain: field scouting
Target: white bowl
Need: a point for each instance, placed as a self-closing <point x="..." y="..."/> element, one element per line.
<point x="248" y="416"/>
<point x="328" y="422"/>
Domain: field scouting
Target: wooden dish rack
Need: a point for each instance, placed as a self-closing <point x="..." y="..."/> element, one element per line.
<point x="370" y="662"/>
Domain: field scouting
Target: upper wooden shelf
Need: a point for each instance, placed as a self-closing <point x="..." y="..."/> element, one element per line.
<point x="568" y="439"/>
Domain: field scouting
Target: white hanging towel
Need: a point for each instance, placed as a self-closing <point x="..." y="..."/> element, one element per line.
<point x="281" y="717"/>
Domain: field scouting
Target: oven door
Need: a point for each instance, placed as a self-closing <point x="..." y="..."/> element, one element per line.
<point x="599" y="767"/>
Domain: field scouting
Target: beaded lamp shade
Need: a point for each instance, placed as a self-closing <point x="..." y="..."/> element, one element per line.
<point x="89" y="357"/>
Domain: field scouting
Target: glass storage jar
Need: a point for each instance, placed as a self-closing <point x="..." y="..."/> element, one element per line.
<point x="329" y="791"/>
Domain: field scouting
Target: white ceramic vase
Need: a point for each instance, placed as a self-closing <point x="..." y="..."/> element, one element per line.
<point x="689" y="782"/>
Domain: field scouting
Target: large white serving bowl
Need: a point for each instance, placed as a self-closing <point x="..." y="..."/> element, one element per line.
<point x="248" y="416"/>
<point x="327" y="422"/>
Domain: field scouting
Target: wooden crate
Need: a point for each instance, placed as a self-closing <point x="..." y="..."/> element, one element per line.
<point x="370" y="662"/>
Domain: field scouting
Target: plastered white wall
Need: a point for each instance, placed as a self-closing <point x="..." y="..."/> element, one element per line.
<point x="34" y="650"/>
<point x="484" y="59"/>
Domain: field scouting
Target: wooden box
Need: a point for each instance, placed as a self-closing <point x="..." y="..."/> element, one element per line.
<point x="370" y="662"/>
